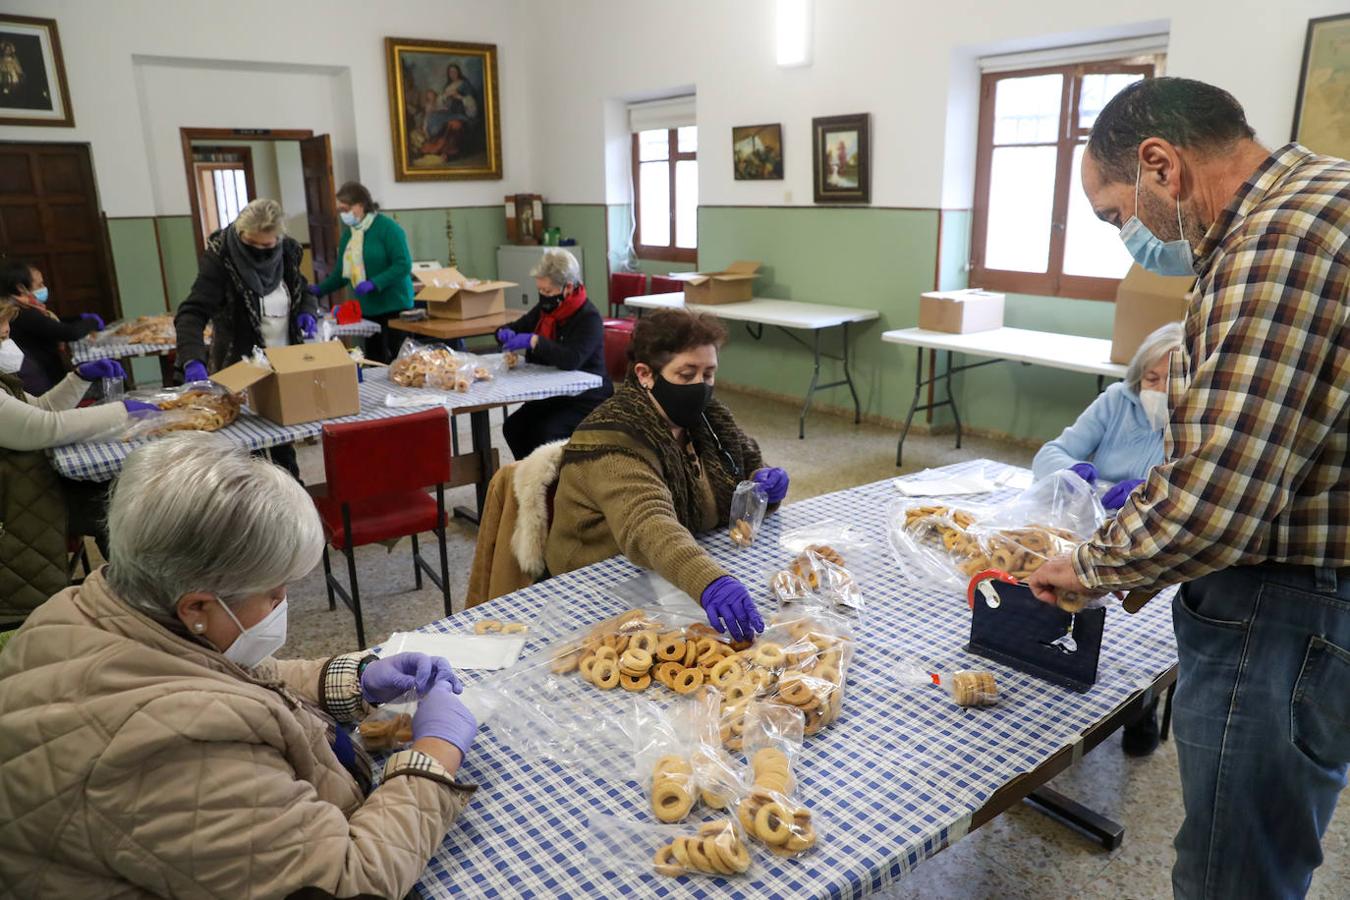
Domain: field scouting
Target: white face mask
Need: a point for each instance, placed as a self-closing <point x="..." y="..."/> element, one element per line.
<point x="11" y="357"/>
<point x="1155" y="407"/>
<point x="260" y="641"/>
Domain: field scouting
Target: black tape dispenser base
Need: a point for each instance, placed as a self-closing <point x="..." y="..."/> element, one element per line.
<point x="1009" y="625"/>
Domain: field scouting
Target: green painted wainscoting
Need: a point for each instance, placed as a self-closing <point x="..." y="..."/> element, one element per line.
<point x="585" y="223"/>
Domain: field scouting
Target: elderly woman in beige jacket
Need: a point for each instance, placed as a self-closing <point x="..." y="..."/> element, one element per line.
<point x="151" y="746"/>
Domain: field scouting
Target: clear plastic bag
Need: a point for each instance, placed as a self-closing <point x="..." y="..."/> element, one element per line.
<point x="771" y="812"/>
<point x="847" y="539"/>
<point x="935" y="543"/>
<point x="416" y="363"/>
<point x="817" y="651"/>
<point x="389" y="727"/>
<point x="720" y="778"/>
<point x="717" y="849"/>
<point x="817" y="578"/>
<point x="511" y="359"/>
<point x="748" y="506"/>
<point x="966" y="687"/>
<point x="662" y="758"/>
<point x="196" y="406"/>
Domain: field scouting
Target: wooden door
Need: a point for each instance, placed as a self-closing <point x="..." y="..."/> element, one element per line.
<point x="49" y="216"/>
<point x="316" y="163"/>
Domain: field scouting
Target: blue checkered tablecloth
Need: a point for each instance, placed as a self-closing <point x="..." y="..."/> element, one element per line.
<point x="892" y="782"/>
<point x="99" y="461"/>
<point x="86" y="350"/>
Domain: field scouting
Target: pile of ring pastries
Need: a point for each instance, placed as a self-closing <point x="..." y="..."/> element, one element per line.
<point x="742" y="533"/>
<point x="714" y="849"/>
<point x="1017" y="551"/>
<point x="386" y="732"/>
<point x="190" y="410"/>
<point x="971" y="687"/>
<point x="818" y="570"/>
<point x="411" y="369"/>
<point x="148" y="330"/>
<point x="492" y="626"/>
<point x="768" y="813"/>
<point x="672" y="788"/>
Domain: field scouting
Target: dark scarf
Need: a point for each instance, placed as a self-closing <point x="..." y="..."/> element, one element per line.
<point x="630" y="412"/>
<point x="260" y="275"/>
<point x="567" y="308"/>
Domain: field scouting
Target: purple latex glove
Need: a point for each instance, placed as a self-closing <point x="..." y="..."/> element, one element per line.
<point x="386" y="679"/>
<point x="1085" y="471"/>
<point x="774" y="482"/>
<point x="504" y="335"/>
<point x="308" y="325"/>
<point x="195" y="371"/>
<point x="441" y="714"/>
<point x="1116" y="496"/>
<point x="100" y="368"/>
<point x="138" y="410"/>
<point x="365" y="287"/>
<point x="313" y="289"/>
<point x="731" y="610"/>
<point x="518" y="342"/>
<point x="95" y="318"/>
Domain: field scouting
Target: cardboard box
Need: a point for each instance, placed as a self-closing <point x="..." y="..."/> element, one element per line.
<point x="961" y="312"/>
<point x="1144" y="303"/>
<point x="735" y="284"/>
<point x="307" y="382"/>
<point x="449" y="294"/>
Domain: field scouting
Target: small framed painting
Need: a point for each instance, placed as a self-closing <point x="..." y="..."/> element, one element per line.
<point x="757" y="152"/>
<point x="842" y="159"/>
<point x="1322" y="108"/>
<point x="443" y="110"/>
<point x="33" y="87"/>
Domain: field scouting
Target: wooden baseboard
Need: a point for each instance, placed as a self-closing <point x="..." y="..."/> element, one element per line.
<point x="846" y="412"/>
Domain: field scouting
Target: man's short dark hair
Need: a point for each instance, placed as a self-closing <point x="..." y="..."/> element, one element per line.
<point x="1182" y="111"/>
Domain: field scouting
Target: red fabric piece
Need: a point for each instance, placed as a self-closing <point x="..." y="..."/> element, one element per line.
<point x="618" y="335"/>
<point x="663" y="285"/>
<point x="348" y="313"/>
<point x="549" y="322"/>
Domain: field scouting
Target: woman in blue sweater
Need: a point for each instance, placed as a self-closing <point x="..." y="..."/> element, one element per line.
<point x="1118" y="439"/>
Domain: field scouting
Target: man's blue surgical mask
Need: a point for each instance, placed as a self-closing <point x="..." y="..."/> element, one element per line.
<point x="1152" y="252"/>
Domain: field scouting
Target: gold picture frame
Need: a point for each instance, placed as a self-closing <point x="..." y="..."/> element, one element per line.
<point x="1321" y="121"/>
<point x="33" y="89"/>
<point x="446" y="125"/>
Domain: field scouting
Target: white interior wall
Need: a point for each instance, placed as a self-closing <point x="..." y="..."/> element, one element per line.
<point x="253" y="63"/>
<point x="897" y="61"/>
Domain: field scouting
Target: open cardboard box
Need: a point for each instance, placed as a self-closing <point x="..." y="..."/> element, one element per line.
<point x="735" y="284"/>
<point x="449" y="294"/>
<point x="307" y="382"/>
<point x="1144" y="303"/>
<point x="961" y="312"/>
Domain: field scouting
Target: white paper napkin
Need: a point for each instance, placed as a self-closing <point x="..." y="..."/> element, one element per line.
<point x="465" y="651"/>
<point x="917" y="485"/>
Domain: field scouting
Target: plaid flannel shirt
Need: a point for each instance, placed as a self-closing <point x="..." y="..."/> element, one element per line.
<point x="1257" y="444"/>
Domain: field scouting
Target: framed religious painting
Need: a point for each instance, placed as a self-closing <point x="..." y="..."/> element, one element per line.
<point x="33" y="87"/>
<point x="443" y="110"/>
<point x="842" y="159"/>
<point x="1322" y="108"/>
<point x="757" y="152"/>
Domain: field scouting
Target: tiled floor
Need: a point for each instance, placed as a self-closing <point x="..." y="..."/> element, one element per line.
<point x="1022" y="853"/>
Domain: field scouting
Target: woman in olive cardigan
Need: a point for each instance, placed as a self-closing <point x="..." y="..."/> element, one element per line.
<point x="658" y="462"/>
<point x="376" y="263"/>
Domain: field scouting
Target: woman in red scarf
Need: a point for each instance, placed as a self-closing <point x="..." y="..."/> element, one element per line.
<point x="563" y="330"/>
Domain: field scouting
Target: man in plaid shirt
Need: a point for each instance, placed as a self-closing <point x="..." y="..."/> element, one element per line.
<point x="1251" y="510"/>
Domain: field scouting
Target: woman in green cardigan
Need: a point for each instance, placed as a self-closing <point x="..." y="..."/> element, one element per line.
<point x="377" y="264"/>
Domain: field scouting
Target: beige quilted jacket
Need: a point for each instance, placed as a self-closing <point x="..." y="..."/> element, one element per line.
<point x="134" y="763"/>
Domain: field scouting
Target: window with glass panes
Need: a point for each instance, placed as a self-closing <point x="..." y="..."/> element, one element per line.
<point x="665" y="193"/>
<point x="1034" y="231"/>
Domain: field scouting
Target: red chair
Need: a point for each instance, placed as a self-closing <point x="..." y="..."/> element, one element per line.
<point x="663" y="285"/>
<point x="618" y="335"/>
<point x="378" y="473"/>
<point x="623" y="285"/>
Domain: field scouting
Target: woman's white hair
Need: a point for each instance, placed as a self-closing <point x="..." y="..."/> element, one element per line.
<point x="559" y="267"/>
<point x="1157" y="345"/>
<point x="192" y="512"/>
<point x="261" y="216"/>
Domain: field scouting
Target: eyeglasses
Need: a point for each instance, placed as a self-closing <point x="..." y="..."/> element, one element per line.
<point x="731" y="465"/>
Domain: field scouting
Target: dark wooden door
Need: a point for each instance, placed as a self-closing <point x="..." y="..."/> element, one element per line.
<point x="316" y="162"/>
<point x="49" y="216"/>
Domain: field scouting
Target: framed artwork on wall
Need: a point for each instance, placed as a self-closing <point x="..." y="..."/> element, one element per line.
<point x="33" y="88"/>
<point x="1322" y="108"/>
<point x="443" y="110"/>
<point x="842" y="159"/>
<point x="757" y="152"/>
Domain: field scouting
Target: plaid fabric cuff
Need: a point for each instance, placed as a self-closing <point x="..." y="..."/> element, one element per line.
<point x="1082" y="566"/>
<point x="340" y="688"/>
<point x="422" y="765"/>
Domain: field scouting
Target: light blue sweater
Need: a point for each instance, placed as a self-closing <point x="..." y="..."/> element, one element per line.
<point x="1113" y="434"/>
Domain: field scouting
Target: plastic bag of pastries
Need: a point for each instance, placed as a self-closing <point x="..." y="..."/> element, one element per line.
<point x="817" y="650"/>
<point x="966" y="687"/>
<point x="772" y="811"/>
<point x="817" y="577"/>
<point x="717" y="849"/>
<point x="417" y="364"/>
<point x="749" y="503"/>
<point x="198" y="406"/>
<point x="389" y="726"/>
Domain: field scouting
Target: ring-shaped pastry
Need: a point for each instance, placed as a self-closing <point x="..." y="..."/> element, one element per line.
<point x="643" y="640"/>
<point x="587" y="667"/>
<point x="670" y="647"/>
<point x="771" y="824"/>
<point x="607" y="652"/>
<point x="796" y="691"/>
<point x="697" y="858"/>
<point x="636" y="659"/>
<point x="733" y="852"/>
<point x="770" y="655"/>
<point x="688" y="681"/>
<point x="679" y="848"/>
<point x="514" y="628"/>
<point x="487" y="626"/>
<point x="718" y="863"/>
<point x="629" y="683"/>
<point x="725" y="672"/>
<point x="664" y="862"/>
<point x="605" y="674"/>
<point x="670" y="801"/>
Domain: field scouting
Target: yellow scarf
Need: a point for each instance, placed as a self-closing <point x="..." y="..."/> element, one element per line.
<point x="353" y="258"/>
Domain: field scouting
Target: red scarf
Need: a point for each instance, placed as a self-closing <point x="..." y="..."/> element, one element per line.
<point x="549" y="322"/>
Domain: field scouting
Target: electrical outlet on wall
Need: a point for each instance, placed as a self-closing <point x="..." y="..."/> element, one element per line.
<point x="787" y="196"/>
